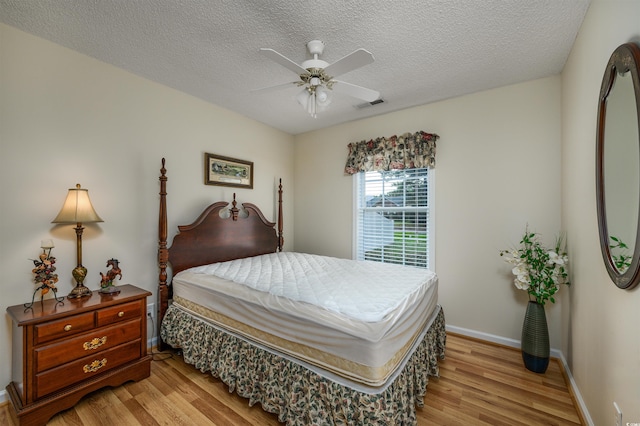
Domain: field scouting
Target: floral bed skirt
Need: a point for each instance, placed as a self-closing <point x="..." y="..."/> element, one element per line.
<point x="297" y="395"/>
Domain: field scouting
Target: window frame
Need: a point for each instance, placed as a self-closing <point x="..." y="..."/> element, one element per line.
<point x="431" y="177"/>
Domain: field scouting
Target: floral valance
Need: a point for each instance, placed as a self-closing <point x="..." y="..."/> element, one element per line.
<point x="407" y="151"/>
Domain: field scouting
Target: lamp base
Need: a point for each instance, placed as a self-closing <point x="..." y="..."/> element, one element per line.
<point x="79" y="291"/>
<point x="79" y="273"/>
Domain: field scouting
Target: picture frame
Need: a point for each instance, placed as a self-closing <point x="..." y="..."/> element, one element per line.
<point x="226" y="171"/>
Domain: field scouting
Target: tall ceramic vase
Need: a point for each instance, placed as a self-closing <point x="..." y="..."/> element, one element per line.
<point x="535" y="338"/>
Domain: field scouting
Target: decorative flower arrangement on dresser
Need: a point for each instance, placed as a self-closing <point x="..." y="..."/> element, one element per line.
<point x="65" y="350"/>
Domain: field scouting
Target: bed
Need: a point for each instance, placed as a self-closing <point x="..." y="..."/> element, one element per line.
<point x="313" y="339"/>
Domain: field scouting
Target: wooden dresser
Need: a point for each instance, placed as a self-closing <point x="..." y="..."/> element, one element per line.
<point x="61" y="352"/>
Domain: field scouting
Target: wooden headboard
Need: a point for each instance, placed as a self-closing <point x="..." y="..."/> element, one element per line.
<point x="213" y="237"/>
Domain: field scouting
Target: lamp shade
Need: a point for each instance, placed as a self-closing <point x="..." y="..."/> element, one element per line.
<point x="77" y="208"/>
<point x="303" y="98"/>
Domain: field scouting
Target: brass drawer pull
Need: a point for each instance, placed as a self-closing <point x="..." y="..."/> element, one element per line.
<point x="67" y="327"/>
<point x="94" y="366"/>
<point x="95" y="343"/>
<point x="120" y="314"/>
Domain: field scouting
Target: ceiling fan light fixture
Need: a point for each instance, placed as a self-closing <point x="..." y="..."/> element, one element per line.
<point x="323" y="97"/>
<point x="303" y="97"/>
<point x="314" y="99"/>
<point x="311" y="105"/>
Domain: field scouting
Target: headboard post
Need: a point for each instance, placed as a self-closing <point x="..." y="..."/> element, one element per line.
<point x="280" y="236"/>
<point x="163" y="253"/>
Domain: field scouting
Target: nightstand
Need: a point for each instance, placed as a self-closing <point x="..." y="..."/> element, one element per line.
<point x="61" y="352"/>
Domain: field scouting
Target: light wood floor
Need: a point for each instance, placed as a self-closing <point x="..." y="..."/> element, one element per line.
<point x="479" y="384"/>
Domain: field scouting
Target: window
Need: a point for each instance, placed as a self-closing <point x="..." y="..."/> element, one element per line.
<point x="393" y="218"/>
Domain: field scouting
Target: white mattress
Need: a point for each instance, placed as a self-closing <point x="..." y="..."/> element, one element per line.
<point x="359" y="320"/>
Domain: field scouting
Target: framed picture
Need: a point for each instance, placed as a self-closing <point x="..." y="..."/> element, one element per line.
<point x="225" y="171"/>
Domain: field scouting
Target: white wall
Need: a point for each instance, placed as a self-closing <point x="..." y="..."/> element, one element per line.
<point x="65" y="119"/>
<point x="497" y="169"/>
<point x="603" y="342"/>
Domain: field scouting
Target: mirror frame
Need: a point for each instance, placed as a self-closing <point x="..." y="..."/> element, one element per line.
<point x="626" y="58"/>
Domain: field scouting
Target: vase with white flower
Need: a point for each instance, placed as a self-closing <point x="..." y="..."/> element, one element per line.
<point x="541" y="272"/>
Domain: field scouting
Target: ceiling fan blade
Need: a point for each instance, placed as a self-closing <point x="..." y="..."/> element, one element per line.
<point x="276" y="87"/>
<point x="282" y="60"/>
<point x="357" y="59"/>
<point x="355" y="91"/>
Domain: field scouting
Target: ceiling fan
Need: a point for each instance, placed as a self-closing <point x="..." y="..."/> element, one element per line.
<point x="317" y="77"/>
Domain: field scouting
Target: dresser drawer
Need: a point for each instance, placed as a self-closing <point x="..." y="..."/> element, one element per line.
<point x="63" y="328"/>
<point x="114" y="314"/>
<point x="84" y="368"/>
<point x="59" y="353"/>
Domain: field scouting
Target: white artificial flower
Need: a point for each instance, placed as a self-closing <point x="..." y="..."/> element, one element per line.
<point x="520" y="269"/>
<point x="556" y="258"/>
<point x="557" y="275"/>
<point x="522" y="282"/>
<point x="512" y="257"/>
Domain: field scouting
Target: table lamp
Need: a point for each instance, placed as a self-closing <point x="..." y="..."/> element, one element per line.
<point x="77" y="209"/>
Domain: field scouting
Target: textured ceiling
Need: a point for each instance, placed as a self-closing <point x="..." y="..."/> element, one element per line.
<point x="425" y="50"/>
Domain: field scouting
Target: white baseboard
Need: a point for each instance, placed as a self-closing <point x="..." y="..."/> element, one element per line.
<point x="576" y="392"/>
<point x="555" y="353"/>
<point x="3" y="396"/>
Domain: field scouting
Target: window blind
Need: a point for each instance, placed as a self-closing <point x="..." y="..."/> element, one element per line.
<point x="392" y="223"/>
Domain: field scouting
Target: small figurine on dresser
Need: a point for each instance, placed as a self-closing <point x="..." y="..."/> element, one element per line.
<point x="106" y="283"/>
<point x="44" y="274"/>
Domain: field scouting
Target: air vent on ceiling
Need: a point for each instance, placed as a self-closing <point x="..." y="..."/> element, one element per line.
<point x="370" y="104"/>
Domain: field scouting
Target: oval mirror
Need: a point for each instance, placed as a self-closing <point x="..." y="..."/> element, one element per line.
<point x="618" y="166"/>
